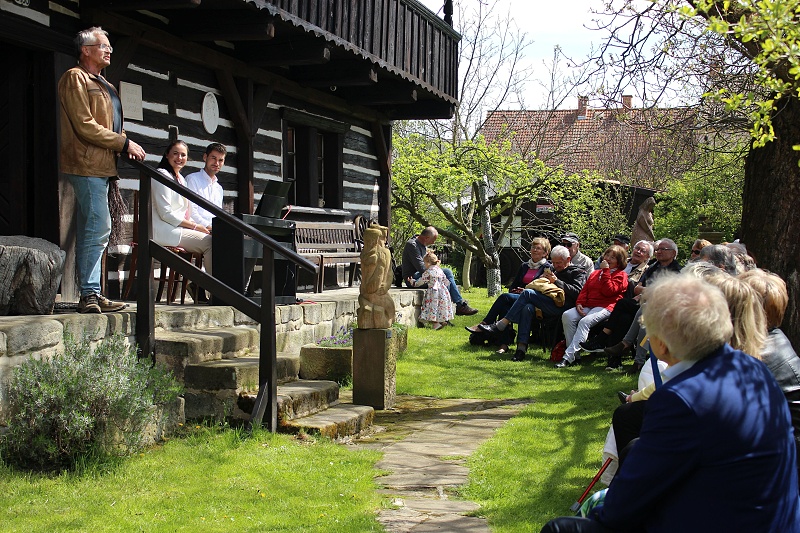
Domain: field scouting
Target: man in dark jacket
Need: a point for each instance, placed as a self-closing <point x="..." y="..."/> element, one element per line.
<point x="566" y="277"/>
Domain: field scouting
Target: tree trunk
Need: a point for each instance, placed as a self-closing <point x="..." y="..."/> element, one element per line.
<point x="770" y="210"/>
<point x="493" y="287"/>
<point x="465" y="270"/>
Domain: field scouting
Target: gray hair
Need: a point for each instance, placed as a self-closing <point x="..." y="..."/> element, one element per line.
<point x="559" y="252"/>
<point x="649" y="247"/>
<point x="86" y="37"/>
<point x="670" y="244"/>
<point x="688" y="315"/>
<point x="721" y="256"/>
<point x="702" y="269"/>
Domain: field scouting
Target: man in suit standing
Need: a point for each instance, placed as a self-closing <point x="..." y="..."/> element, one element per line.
<point x="716" y="451"/>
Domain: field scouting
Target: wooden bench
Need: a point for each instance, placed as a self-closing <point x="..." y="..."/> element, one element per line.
<point x="328" y="243"/>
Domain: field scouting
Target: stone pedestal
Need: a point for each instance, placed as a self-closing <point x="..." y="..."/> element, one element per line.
<point x="374" y="368"/>
<point x="30" y="272"/>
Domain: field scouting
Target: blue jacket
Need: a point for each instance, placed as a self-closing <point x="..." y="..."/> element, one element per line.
<point x="716" y="453"/>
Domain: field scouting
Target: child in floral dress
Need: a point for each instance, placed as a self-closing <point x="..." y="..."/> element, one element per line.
<point x="437" y="306"/>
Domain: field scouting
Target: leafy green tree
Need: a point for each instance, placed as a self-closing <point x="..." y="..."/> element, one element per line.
<point x="712" y="190"/>
<point x="437" y="184"/>
<point x="738" y="63"/>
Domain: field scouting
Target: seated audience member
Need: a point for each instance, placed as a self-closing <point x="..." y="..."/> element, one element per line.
<point x="744" y="261"/>
<point x="528" y="271"/>
<point x="171" y="227"/>
<point x="571" y="242"/>
<point x="749" y="332"/>
<point x="719" y="256"/>
<point x="716" y="451"/>
<point x="618" y="240"/>
<point x="600" y="293"/>
<point x="543" y="296"/>
<point x="698" y="245"/>
<point x="666" y="252"/>
<point x="205" y="183"/>
<point x="620" y="319"/>
<point x="412" y="266"/>
<point x="777" y="353"/>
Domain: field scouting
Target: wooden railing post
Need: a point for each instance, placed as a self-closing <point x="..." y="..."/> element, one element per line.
<point x="145" y="299"/>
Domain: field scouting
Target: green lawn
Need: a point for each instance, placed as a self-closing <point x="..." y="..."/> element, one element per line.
<point x="207" y="481"/>
<point x="534" y="468"/>
<point x="540" y="462"/>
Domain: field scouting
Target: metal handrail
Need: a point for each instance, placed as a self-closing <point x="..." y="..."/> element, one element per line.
<point x="267" y="400"/>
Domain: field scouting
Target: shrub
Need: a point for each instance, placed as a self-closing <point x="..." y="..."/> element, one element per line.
<point x="82" y="402"/>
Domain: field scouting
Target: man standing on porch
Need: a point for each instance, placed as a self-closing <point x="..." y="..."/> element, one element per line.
<point x="205" y="183"/>
<point x="91" y="139"/>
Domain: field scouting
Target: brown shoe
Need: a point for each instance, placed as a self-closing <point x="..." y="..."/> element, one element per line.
<point x="463" y="308"/>
<point x="108" y="306"/>
<point x="617" y="350"/>
<point x="89" y="304"/>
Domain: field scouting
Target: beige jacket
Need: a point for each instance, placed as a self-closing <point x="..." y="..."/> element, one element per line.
<point x="89" y="145"/>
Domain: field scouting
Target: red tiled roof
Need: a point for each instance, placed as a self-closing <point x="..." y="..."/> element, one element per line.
<point x="637" y="146"/>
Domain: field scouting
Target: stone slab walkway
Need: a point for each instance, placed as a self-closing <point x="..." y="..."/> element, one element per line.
<point x="426" y="443"/>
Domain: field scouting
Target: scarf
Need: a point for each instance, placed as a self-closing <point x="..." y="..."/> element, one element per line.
<point x="537" y="264"/>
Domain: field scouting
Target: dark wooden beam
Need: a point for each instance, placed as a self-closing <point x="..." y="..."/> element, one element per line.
<point x="165" y="42"/>
<point x="261" y="97"/>
<point x="223" y="31"/>
<point x="133" y="5"/>
<point x="289" y="54"/>
<point x="427" y="109"/>
<point x="336" y="75"/>
<point x="236" y="106"/>
<point x="381" y="136"/>
<point x="124" y="50"/>
<point x="380" y="95"/>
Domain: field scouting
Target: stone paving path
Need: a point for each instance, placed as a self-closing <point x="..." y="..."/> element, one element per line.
<point x="426" y="443"/>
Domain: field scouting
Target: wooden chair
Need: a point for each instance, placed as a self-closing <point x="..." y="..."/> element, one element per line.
<point x="168" y="277"/>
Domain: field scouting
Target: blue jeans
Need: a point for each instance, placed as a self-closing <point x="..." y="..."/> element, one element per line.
<point x="524" y="309"/>
<point x="455" y="295"/>
<point x="93" y="229"/>
<point x="501" y="305"/>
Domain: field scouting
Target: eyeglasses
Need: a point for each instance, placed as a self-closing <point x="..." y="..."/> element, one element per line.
<point x="695" y="252"/>
<point x="103" y="46"/>
<point x="663" y="249"/>
<point x="568" y="244"/>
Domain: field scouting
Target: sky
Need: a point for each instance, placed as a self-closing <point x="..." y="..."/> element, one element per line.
<point x="547" y="24"/>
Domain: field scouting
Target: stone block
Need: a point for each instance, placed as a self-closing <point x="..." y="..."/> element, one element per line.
<point x="312" y="314"/>
<point x="326" y="362"/>
<point x="374" y="368"/>
<point x="30" y="273"/>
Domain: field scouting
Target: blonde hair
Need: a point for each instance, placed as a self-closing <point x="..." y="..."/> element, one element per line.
<point x="747" y="314"/>
<point x="772" y="290"/>
<point x="430" y="259"/>
<point x="544" y="243"/>
<point x="702" y="242"/>
<point x="689" y="315"/>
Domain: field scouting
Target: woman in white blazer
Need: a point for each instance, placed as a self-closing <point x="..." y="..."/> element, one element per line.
<point x="172" y="224"/>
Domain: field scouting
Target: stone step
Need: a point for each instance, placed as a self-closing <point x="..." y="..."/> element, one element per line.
<point x="182" y="347"/>
<point x="240" y="373"/>
<point x="338" y="421"/>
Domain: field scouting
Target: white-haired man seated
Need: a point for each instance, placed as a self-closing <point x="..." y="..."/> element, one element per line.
<point x="716" y="451"/>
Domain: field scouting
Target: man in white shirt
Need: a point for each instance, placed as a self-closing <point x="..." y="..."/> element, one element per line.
<point x="204" y="182"/>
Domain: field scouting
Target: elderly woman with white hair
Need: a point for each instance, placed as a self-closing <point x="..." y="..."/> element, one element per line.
<point x="716" y="451"/>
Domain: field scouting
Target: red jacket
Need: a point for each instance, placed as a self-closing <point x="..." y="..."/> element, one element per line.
<point x="603" y="288"/>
